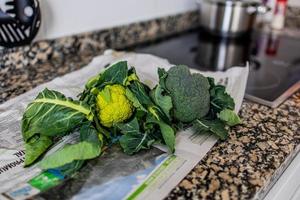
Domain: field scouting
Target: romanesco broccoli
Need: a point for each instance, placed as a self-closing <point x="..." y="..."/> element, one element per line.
<point x="113" y="105"/>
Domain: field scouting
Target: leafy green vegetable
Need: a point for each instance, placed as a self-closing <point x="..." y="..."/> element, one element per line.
<point x="220" y="113"/>
<point x="114" y="74"/>
<point x="180" y="99"/>
<point x="132" y="76"/>
<point x="35" y="147"/>
<point x="89" y="134"/>
<point x="89" y="147"/>
<point x="162" y="75"/>
<point x="141" y="92"/>
<point x="167" y="132"/>
<point x="215" y="126"/>
<point x="229" y="117"/>
<point x="70" y="168"/>
<point x="130" y="127"/>
<point x="136" y="103"/>
<point x="163" y="101"/>
<point x="189" y="92"/>
<point x="92" y="82"/>
<point x="70" y="153"/>
<point x="52" y="114"/>
<point x="219" y="99"/>
<point x="133" y="140"/>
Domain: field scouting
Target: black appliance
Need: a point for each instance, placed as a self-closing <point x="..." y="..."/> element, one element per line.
<point x="20" y="21"/>
<point x="274" y="60"/>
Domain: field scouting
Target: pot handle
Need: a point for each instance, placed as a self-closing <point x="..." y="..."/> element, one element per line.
<point x="261" y="9"/>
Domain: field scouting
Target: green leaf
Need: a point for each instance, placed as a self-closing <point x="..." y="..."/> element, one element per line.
<point x="162" y="74"/>
<point x="92" y="82"/>
<point x="163" y="101"/>
<point x="35" y="147"/>
<point x="89" y="134"/>
<point x="215" y="126"/>
<point x="211" y="82"/>
<point x="167" y="131"/>
<point x="132" y="76"/>
<point x="105" y="93"/>
<point x="89" y="148"/>
<point x="229" y="117"/>
<point x="52" y="114"/>
<point x="132" y="126"/>
<point x="134" y="100"/>
<point x="115" y="74"/>
<point x="71" y="168"/>
<point x="133" y="140"/>
<point x="219" y="99"/>
<point x="70" y="153"/>
<point x="141" y="92"/>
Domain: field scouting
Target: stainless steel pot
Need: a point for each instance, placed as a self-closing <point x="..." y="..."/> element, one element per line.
<point x="229" y="17"/>
<point x="219" y="54"/>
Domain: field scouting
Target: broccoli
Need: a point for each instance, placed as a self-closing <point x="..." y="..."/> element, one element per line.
<point x="189" y="93"/>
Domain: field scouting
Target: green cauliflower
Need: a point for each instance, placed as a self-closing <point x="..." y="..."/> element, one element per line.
<point x="113" y="105"/>
<point x="189" y="93"/>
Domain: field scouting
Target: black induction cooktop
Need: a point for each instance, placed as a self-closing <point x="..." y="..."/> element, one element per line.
<point x="274" y="60"/>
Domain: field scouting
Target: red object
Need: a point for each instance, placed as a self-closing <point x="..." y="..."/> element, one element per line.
<point x="280" y="6"/>
<point x="272" y="45"/>
<point x="279" y="14"/>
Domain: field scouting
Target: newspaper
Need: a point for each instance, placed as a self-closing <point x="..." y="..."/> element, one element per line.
<point x="154" y="174"/>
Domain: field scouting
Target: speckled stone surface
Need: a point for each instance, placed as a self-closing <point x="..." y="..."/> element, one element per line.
<point x="241" y="167"/>
<point x="293" y="18"/>
<point x="23" y="68"/>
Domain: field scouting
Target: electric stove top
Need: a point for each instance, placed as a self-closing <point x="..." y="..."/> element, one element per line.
<point x="274" y="60"/>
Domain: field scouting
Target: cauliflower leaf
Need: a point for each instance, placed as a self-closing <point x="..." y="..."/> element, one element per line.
<point x="89" y="147"/>
<point x="163" y="101"/>
<point x="133" y="140"/>
<point x="215" y="126"/>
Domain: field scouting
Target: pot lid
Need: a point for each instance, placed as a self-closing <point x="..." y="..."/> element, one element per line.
<point x="235" y="2"/>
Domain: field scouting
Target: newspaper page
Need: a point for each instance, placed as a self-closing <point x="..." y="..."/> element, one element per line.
<point x="148" y="175"/>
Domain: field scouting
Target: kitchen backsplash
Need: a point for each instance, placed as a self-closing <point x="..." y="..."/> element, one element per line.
<point x="94" y="43"/>
<point x="293" y="18"/>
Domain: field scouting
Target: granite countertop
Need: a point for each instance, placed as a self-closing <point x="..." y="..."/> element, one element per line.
<point x="241" y="167"/>
<point x="237" y="168"/>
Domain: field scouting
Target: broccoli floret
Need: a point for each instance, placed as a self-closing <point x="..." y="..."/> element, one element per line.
<point x="189" y="93"/>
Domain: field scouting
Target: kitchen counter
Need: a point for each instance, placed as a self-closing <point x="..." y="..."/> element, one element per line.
<point x="237" y="168"/>
<point x="242" y="167"/>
